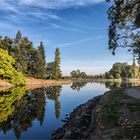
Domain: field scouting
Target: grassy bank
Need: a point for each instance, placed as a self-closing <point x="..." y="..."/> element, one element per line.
<point x="118" y="116"/>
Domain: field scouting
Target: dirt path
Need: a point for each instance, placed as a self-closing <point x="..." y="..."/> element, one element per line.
<point x="133" y="92"/>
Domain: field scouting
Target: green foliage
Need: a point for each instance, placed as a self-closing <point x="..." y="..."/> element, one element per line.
<point x="53" y="70"/>
<point x="7" y="71"/>
<point x="120" y="112"/>
<point x="56" y="66"/>
<point x="78" y="74"/>
<point x="50" y="70"/>
<point x="28" y="60"/>
<point x="124" y="18"/>
<point x="121" y="70"/>
<point x="41" y="61"/>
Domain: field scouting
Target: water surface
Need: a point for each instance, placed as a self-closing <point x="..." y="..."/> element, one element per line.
<point x="36" y="114"/>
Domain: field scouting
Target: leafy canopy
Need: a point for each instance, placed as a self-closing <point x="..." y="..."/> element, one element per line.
<point x="7" y="71"/>
<point x="124" y="29"/>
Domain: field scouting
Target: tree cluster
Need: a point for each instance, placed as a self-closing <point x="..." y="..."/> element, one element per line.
<point x="78" y="74"/>
<point x="29" y="60"/>
<point x="53" y="70"/>
<point x="121" y="70"/>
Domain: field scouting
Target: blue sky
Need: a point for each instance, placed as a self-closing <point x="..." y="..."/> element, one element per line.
<point x="78" y="27"/>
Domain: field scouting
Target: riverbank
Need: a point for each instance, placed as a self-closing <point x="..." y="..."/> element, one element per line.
<point x="79" y="124"/>
<point x="32" y="83"/>
<point x="114" y="115"/>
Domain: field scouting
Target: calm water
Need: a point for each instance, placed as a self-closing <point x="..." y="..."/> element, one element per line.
<point x="38" y="113"/>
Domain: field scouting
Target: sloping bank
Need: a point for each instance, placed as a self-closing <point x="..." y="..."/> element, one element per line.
<point x="114" y="115"/>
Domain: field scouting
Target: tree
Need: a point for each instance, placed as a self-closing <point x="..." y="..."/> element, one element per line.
<point x="57" y="71"/>
<point x="7" y="71"/>
<point x="78" y="74"/>
<point x="22" y="48"/>
<point x="6" y="43"/>
<point x="108" y="75"/>
<point x="116" y="70"/>
<point x="50" y="70"/>
<point x="42" y="51"/>
<point x="29" y="60"/>
<point x="41" y="61"/>
<point x="122" y="70"/>
<point x="124" y="18"/>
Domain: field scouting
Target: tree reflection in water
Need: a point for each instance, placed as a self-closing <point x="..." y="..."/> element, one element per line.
<point x="53" y="93"/>
<point x="78" y="85"/>
<point x="19" y="108"/>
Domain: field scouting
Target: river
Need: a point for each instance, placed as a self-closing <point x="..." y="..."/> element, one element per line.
<point x="36" y="114"/>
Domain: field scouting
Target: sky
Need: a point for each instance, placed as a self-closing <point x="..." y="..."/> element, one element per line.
<point x="78" y="27"/>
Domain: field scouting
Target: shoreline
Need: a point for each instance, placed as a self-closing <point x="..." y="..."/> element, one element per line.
<point x="81" y="121"/>
<point x="33" y="83"/>
<point x="98" y="118"/>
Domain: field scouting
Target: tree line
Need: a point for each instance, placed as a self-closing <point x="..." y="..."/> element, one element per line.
<point x="120" y="70"/>
<point x="29" y="60"/>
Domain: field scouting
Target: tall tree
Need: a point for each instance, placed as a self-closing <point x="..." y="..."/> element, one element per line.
<point x="41" y="49"/>
<point x="21" y="52"/>
<point x="41" y="60"/>
<point x="57" y="71"/>
<point x="6" y="43"/>
<point x="124" y="17"/>
<point x="50" y="70"/>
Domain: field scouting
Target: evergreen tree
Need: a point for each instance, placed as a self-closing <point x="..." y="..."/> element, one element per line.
<point x="20" y="53"/>
<point x="57" y="71"/>
<point x="42" y="51"/>
<point x="50" y="70"/>
<point x="41" y="64"/>
<point x="6" y="43"/>
<point x="29" y="60"/>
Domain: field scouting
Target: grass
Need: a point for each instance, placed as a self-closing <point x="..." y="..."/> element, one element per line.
<point x="121" y="111"/>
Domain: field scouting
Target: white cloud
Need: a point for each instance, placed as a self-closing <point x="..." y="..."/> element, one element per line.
<point x="42" y="9"/>
<point x="42" y="15"/>
<point x="59" y="4"/>
<point x="14" y="5"/>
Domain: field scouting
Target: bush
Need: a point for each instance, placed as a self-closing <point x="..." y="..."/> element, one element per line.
<point x="7" y="71"/>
